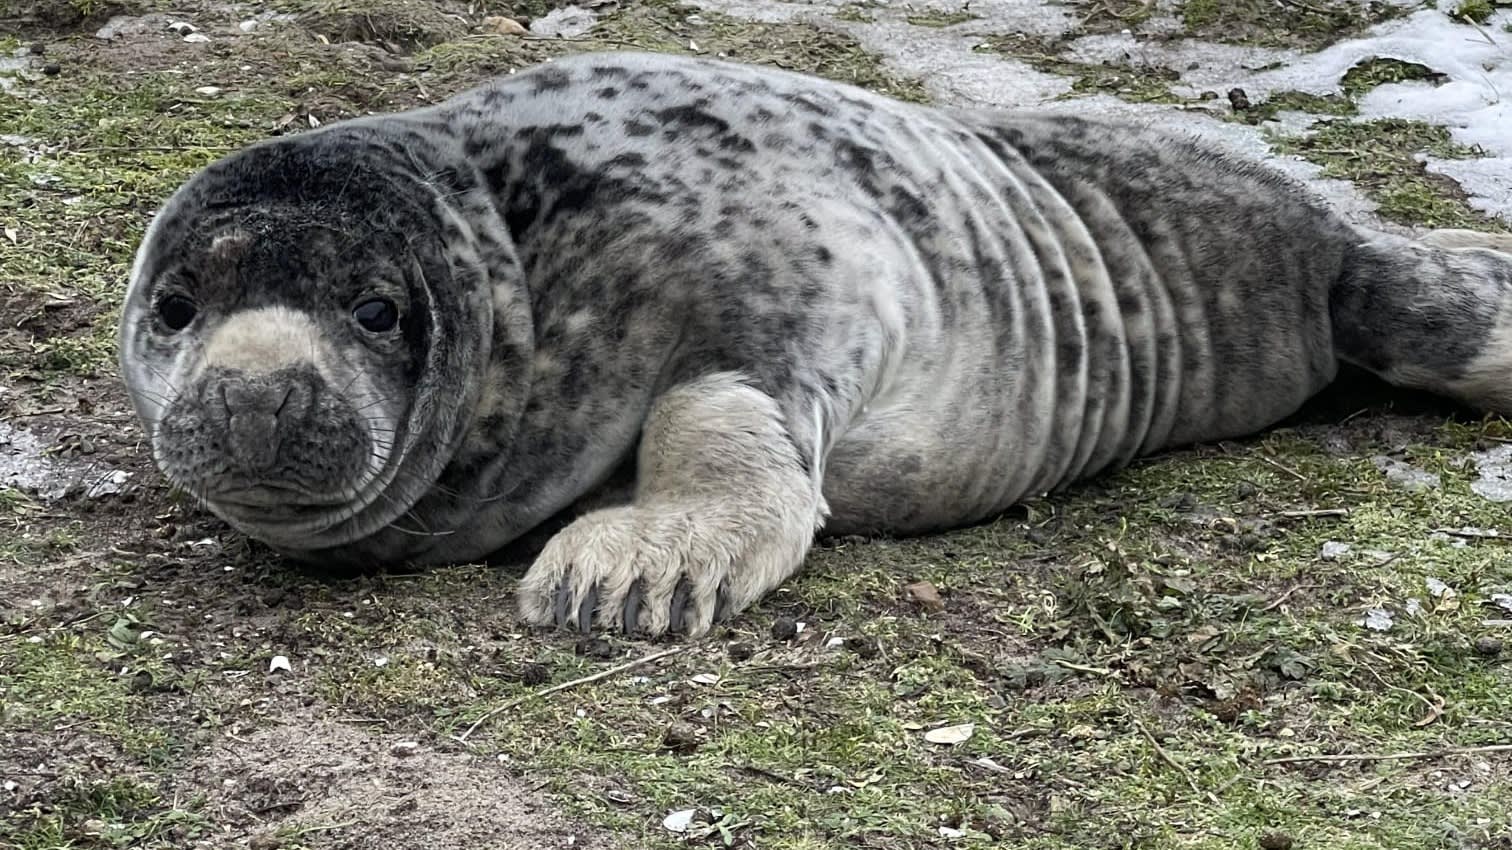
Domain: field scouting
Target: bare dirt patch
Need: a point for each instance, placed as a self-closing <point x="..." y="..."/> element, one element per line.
<point x="316" y="783"/>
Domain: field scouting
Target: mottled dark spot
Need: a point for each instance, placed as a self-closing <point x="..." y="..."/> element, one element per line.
<point x="803" y="102"/>
<point x="608" y="92"/>
<point x="628" y="160"/>
<point x="638" y="128"/>
<point x="908" y="208"/>
<point x="546" y="78"/>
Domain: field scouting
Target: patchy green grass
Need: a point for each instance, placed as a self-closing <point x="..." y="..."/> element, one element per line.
<point x="1308" y="25"/>
<point x="1132" y="661"/>
<point x="1112" y="15"/>
<point x="1137" y="84"/>
<point x="1133" y="656"/>
<point x="1379" y="157"/>
<point x="108" y="813"/>
<point x="1292" y="101"/>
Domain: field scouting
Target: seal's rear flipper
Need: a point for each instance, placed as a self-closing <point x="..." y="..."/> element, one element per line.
<point x="1451" y="238"/>
<point x="1433" y="313"/>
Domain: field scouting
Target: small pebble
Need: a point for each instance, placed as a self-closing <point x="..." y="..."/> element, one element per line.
<point x="1275" y="840"/>
<point x="925" y="595"/>
<point x="595" y="648"/>
<point x="1488" y="646"/>
<point x="405" y="749"/>
<point x="784" y="628"/>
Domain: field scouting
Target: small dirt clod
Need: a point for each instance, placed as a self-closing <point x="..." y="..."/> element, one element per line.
<point x="534" y="674"/>
<point x="595" y="648"/>
<point x="926" y="596"/>
<point x="680" y="737"/>
<point x="784" y="629"/>
<point x="1275" y="840"/>
<point x="265" y="841"/>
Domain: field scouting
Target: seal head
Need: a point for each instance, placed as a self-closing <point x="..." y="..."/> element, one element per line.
<point x="295" y="316"/>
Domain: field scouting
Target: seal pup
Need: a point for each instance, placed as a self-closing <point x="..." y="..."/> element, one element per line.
<point x="784" y="305"/>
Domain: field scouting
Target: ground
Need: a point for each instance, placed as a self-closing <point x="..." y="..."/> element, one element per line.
<point x="1218" y="648"/>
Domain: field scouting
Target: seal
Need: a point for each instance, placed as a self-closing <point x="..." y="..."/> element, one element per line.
<point x="777" y="306"/>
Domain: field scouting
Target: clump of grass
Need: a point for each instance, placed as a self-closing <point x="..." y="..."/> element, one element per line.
<point x="1142" y="84"/>
<point x="1309" y="26"/>
<point x="938" y="19"/>
<point x="669" y="26"/>
<point x="1380" y="157"/>
<point x="405" y="25"/>
<point x="1475" y="11"/>
<point x="1112" y="15"/>
<point x="1288" y="101"/>
<point x="116" y="812"/>
<point x="1379" y="71"/>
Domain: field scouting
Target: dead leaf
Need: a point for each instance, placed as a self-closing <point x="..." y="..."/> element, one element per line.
<point x="1435" y="711"/>
<point x="679" y="821"/>
<point x="926" y="596"/>
<point x="951" y="734"/>
<point x="500" y="25"/>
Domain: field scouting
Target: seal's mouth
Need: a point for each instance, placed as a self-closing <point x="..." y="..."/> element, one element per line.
<point x="278" y="512"/>
<point x="271" y="495"/>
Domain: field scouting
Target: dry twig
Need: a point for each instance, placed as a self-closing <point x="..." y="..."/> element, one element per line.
<point x="1427" y="754"/>
<point x="586" y="680"/>
<point x="1175" y="765"/>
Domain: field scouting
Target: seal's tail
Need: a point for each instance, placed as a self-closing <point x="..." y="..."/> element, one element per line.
<point x="1431" y="313"/>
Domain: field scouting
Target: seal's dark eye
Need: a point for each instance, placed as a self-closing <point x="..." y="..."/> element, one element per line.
<point x="376" y="315"/>
<point x="177" y="312"/>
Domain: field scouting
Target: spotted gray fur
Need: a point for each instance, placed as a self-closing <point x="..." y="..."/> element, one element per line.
<point x="781" y="305"/>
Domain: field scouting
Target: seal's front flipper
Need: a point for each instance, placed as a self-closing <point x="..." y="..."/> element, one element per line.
<point x="724" y="512"/>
